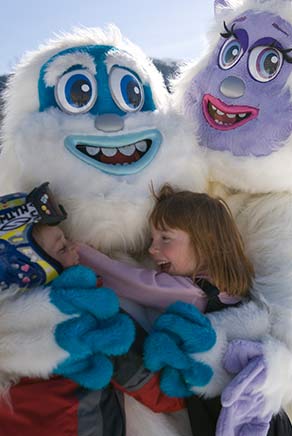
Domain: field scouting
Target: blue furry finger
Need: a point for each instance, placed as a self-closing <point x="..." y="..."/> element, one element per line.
<point x="101" y="302"/>
<point x="192" y="337"/>
<point x="69" y="367"/>
<point x="161" y="350"/>
<point x="178" y="383"/>
<point x="173" y="384"/>
<point x="95" y="374"/>
<point x="75" y="277"/>
<point x="75" y="291"/>
<point x="188" y="312"/>
<point x="114" y="338"/>
<point x="199" y="374"/>
<point x="84" y="336"/>
<point x="68" y="336"/>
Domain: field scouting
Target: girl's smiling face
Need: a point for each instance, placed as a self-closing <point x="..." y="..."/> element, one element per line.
<point x="172" y="251"/>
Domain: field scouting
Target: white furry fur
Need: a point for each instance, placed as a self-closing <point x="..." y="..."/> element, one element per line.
<point x="27" y="343"/>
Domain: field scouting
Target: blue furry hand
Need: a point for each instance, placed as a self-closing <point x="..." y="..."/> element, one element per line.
<point x="94" y="330"/>
<point x="182" y="330"/>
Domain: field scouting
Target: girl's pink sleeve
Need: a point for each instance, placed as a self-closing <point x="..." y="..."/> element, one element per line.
<point x="144" y="286"/>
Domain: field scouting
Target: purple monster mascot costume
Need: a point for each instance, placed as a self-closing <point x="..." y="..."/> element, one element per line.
<point x="238" y="101"/>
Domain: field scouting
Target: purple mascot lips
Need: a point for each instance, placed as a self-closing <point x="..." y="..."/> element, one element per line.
<point x="221" y="116"/>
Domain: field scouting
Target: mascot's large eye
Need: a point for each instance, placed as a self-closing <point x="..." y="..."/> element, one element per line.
<point x="264" y="63"/>
<point x="230" y="53"/>
<point x="76" y="92"/>
<point x="127" y="90"/>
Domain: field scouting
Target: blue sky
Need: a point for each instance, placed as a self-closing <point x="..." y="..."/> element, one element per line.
<point x="163" y="28"/>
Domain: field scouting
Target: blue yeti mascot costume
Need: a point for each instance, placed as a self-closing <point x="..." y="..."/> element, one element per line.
<point x="89" y="112"/>
<point x="238" y="102"/>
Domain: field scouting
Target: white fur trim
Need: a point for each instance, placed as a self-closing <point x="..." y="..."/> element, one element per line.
<point x="27" y="323"/>
<point x="277" y="388"/>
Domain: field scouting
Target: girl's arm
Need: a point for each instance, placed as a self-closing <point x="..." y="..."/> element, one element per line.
<point x="147" y="287"/>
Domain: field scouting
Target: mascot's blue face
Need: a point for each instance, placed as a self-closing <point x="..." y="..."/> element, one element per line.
<point x="241" y="99"/>
<point x="90" y="81"/>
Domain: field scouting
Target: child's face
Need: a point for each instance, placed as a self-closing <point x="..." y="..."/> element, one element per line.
<point x="52" y="240"/>
<point x="172" y="251"/>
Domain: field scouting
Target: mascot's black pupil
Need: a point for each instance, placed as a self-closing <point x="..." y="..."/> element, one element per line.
<point x="231" y="54"/>
<point x="133" y="94"/>
<point x="271" y="64"/>
<point x="80" y="93"/>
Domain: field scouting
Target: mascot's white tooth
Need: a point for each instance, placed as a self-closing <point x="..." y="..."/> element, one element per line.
<point x="243" y="115"/>
<point x="109" y="152"/>
<point x="231" y="115"/>
<point x="92" y="150"/>
<point x="220" y="112"/>
<point x="141" y="146"/>
<point x="128" y="150"/>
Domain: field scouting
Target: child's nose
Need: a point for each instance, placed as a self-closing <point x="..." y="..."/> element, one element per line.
<point x="153" y="248"/>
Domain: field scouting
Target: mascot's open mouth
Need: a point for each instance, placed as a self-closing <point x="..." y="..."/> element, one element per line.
<point x="117" y="155"/>
<point x="221" y="116"/>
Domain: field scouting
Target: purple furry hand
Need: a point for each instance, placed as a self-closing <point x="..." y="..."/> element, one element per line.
<point x="242" y="403"/>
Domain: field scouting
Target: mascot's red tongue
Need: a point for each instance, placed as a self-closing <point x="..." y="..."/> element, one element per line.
<point x="119" y="158"/>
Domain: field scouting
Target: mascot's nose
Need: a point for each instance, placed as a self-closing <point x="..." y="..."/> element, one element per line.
<point x="109" y="122"/>
<point x="232" y="87"/>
